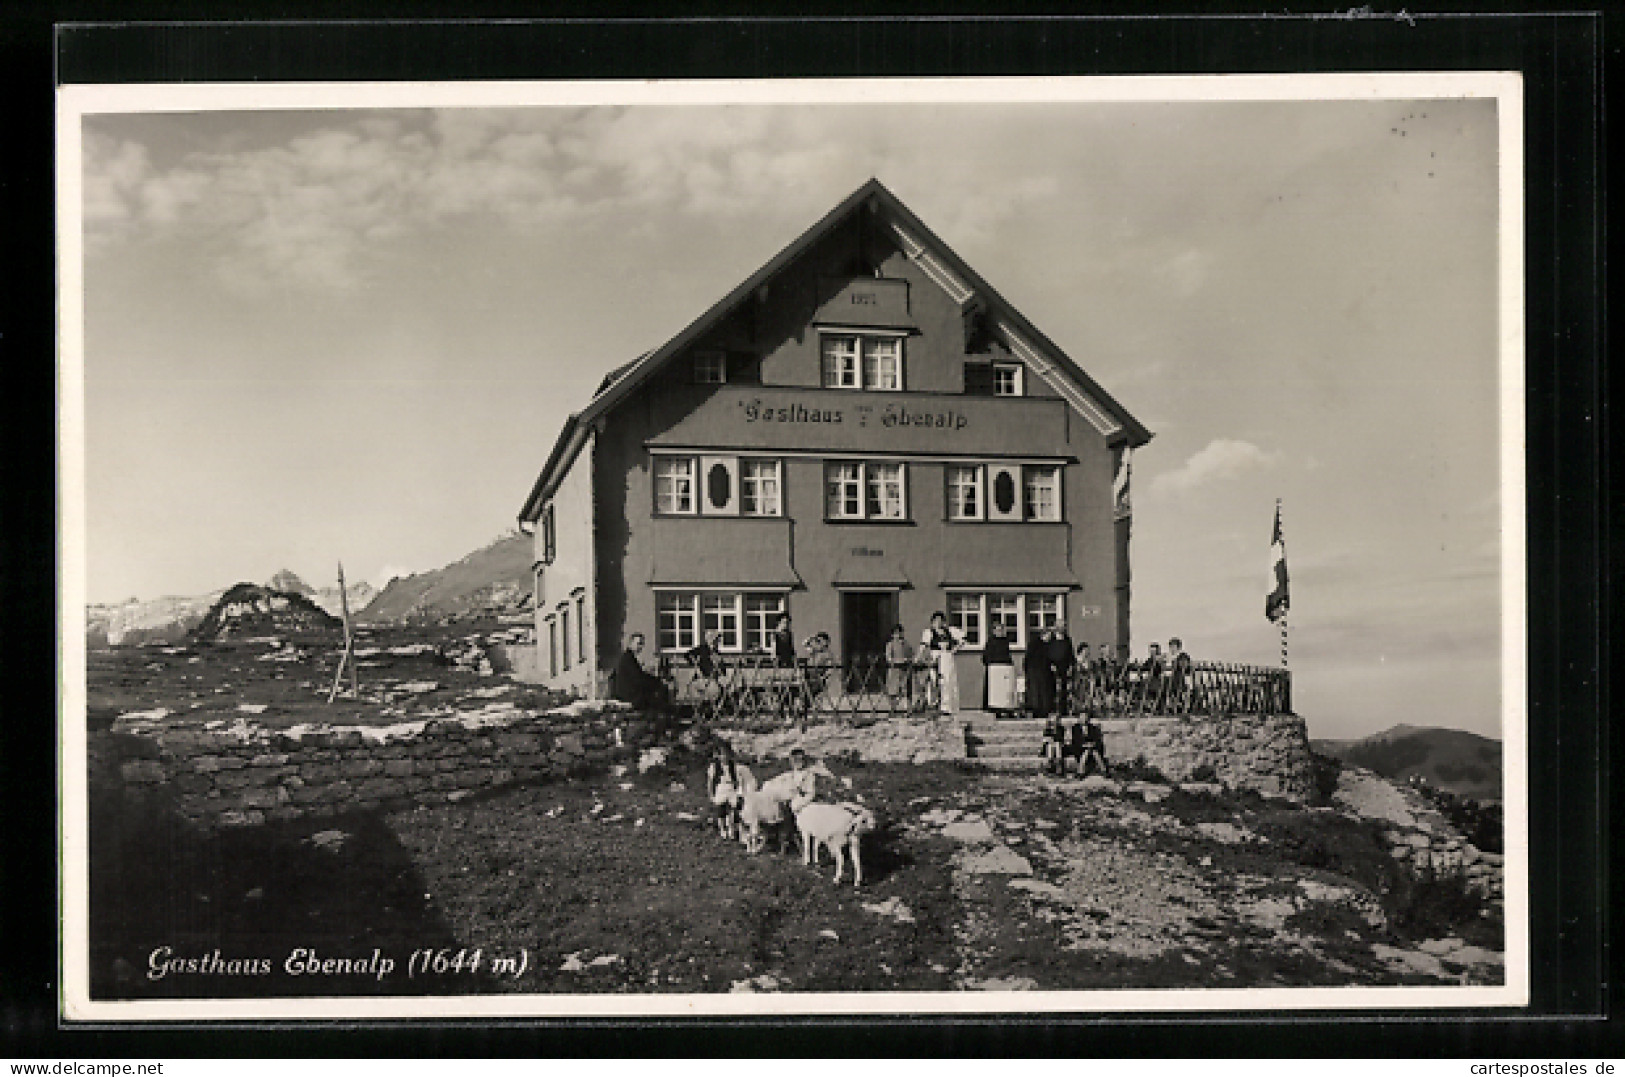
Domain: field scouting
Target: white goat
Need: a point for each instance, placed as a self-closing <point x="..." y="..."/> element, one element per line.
<point x="838" y="828"/>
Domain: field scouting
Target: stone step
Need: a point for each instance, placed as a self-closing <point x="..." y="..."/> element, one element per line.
<point x="1011" y="763"/>
<point x="1013" y="749"/>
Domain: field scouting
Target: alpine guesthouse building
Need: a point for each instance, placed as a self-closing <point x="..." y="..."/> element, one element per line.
<point x="861" y="433"/>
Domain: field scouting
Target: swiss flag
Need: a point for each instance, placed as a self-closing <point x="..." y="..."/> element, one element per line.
<point x="1277" y="600"/>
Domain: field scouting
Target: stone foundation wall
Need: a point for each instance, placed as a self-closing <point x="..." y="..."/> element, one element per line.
<point x="891" y="740"/>
<point x="1268" y="753"/>
<point x="245" y="775"/>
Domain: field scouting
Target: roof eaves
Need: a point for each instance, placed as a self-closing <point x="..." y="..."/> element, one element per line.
<point x="556" y="465"/>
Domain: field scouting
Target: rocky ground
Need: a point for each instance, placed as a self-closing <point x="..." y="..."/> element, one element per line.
<point x="617" y="883"/>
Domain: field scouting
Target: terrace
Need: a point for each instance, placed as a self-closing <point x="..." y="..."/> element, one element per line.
<point x="752" y="688"/>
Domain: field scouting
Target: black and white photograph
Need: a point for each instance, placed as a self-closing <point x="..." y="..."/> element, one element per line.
<point x="845" y="546"/>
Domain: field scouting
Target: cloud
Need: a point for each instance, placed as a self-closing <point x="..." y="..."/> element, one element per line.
<point x="319" y="209"/>
<point x="1219" y="460"/>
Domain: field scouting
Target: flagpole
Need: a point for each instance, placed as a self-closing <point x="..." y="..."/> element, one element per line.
<point x="1285" y="607"/>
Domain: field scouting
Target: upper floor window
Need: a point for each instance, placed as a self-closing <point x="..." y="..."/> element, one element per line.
<point x="550" y="536"/>
<point x="964" y="491"/>
<point x="1041" y="492"/>
<point x="711" y="367"/>
<point x="1004" y="492"/>
<point x="674" y="484"/>
<point x="760" y="488"/>
<point x="718" y="486"/>
<point x="862" y="361"/>
<point x="1007" y="379"/>
<point x="865" y="490"/>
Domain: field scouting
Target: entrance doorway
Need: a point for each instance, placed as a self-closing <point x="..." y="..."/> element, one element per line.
<point x="867" y="618"/>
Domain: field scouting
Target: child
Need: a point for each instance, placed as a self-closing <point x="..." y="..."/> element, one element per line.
<point x="899" y="657"/>
<point x="723" y="787"/>
<point x="1054" y="762"/>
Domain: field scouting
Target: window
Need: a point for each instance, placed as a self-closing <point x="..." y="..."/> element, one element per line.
<point x="762" y="613"/>
<point x="1006" y="609"/>
<point x="581" y="628"/>
<point x="759" y="487"/>
<point x="964" y="492"/>
<point x="1041" y="493"/>
<point x="677" y="620"/>
<point x="746" y="620"/>
<point x="710" y="368"/>
<point x="865" y="490"/>
<point x="552" y="647"/>
<point x="965" y="614"/>
<point x="883" y="364"/>
<point x="1045" y="611"/>
<point x="550" y="536"/>
<point x="843" y="491"/>
<point x="1007" y="379"/>
<point x="564" y="636"/>
<point x="720" y="613"/>
<point x="674" y="484"/>
<point x="851" y="361"/>
<point x="885" y="487"/>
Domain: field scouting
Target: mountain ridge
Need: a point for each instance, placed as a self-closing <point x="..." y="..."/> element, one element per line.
<point x="1454" y="760"/>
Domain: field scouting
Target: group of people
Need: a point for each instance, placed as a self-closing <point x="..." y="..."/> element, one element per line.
<point x="1059" y="679"/>
<point x="1160" y="678"/>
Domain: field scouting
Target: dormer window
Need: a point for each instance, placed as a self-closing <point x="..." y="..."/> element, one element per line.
<point x="711" y="368"/>
<point x="1007" y="379"/>
<point x="862" y="361"/>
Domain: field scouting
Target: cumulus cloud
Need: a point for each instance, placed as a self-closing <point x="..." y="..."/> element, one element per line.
<point x="1219" y="460"/>
<point x="316" y="209"/>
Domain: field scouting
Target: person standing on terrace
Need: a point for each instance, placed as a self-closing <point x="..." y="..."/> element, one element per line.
<point x="941" y="641"/>
<point x="999" y="691"/>
<point x="1040" y="677"/>
<point x="899" y="659"/>
<point x="784" y="644"/>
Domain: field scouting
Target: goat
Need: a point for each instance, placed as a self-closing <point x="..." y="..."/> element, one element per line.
<point x="838" y="828"/>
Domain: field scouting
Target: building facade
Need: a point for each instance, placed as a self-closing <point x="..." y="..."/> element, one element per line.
<point x="860" y="434"/>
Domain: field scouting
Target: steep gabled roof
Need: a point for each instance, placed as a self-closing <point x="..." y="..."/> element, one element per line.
<point x="944" y="266"/>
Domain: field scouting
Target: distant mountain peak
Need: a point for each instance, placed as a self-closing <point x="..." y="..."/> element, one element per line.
<point x="289" y="581"/>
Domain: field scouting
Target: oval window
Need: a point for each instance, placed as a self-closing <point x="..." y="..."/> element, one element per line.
<point x="718" y="486"/>
<point x="1004" y="493"/>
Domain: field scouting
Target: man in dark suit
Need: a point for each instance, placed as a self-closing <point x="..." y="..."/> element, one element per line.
<point x="630" y="683"/>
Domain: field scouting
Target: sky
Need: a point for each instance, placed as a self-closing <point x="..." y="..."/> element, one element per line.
<point x="353" y="334"/>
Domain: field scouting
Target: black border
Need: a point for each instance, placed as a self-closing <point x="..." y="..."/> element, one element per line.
<point x="1561" y="56"/>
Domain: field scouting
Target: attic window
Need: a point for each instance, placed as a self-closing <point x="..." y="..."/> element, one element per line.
<point x="710" y="368"/>
<point x="862" y="361"/>
<point x="1007" y="379"/>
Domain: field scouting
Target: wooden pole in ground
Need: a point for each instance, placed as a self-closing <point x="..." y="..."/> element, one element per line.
<point x="348" y="657"/>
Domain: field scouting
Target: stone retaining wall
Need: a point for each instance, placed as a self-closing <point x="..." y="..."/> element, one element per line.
<point x="890" y="740"/>
<point x="244" y="775"/>
<point x="1268" y="753"/>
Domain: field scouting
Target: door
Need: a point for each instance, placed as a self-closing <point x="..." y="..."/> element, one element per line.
<point x="866" y="623"/>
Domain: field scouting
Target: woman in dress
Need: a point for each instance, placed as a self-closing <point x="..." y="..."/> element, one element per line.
<point x="1000" y="683"/>
<point x="1040" y="678"/>
<point x="941" y="641"/>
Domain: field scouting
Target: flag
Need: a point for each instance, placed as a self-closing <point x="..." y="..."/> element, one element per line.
<point x="1277" y="600"/>
<point x="1120" y="483"/>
